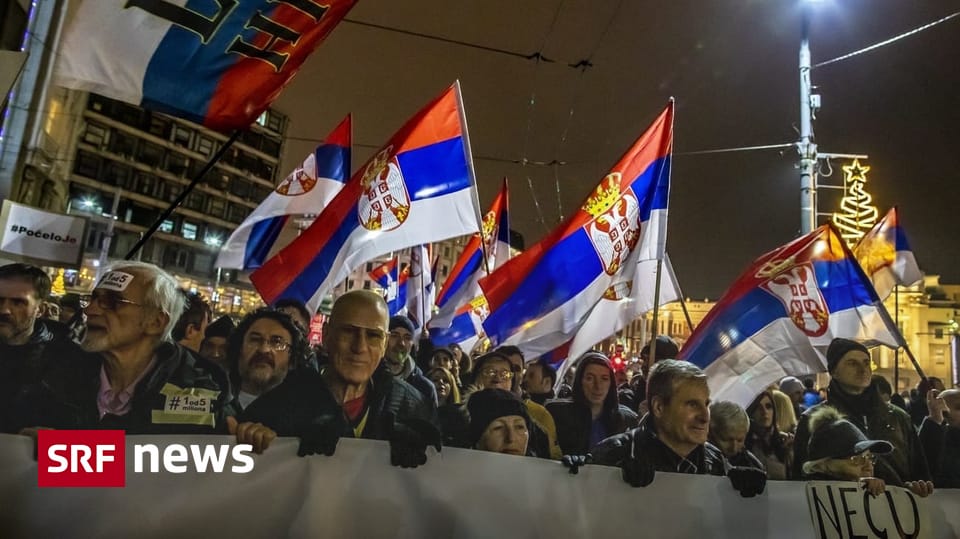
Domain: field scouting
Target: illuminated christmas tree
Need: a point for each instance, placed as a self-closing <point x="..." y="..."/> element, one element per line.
<point x="857" y="213"/>
<point x="57" y="288"/>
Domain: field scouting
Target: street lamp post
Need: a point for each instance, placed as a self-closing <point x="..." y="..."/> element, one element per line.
<point x="806" y="147"/>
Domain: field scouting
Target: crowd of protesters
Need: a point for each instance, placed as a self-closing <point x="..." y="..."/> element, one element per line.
<point x="142" y="355"/>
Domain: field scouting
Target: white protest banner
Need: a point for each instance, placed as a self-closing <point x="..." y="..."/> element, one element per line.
<point x="41" y="237"/>
<point x="844" y="510"/>
<point x="356" y="493"/>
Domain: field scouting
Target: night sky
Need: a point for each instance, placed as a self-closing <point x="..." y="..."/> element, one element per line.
<point x="730" y="64"/>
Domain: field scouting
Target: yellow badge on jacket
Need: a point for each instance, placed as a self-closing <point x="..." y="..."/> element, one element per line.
<point x="186" y="406"/>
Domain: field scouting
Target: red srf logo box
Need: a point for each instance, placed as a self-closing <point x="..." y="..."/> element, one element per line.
<point x="81" y="458"/>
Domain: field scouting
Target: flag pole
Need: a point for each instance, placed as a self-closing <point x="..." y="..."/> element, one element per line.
<point x="683" y="302"/>
<point x="183" y="194"/>
<point x="652" y="353"/>
<point x="468" y="153"/>
<point x="896" y="353"/>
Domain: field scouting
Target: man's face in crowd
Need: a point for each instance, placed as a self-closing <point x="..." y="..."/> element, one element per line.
<point x="507" y="434"/>
<point x="596" y="383"/>
<point x="265" y="356"/>
<point x="356" y="339"/>
<point x="952" y="400"/>
<point x="120" y="319"/>
<point x="731" y="440"/>
<point x="19" y="309"/>
<point x="496" y="374"/>
<point x="194" y="335"/>
<point x="534" y="381"/>
<point x="684" y="421"/>
<point x="399" y="345"/>
<point x="214" y="349"/>
<point x="853" y="371"/>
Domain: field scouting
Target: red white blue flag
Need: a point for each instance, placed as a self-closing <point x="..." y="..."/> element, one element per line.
<point x="779" y="317"/>
<point x="394" y="283"/>
<point x="539" y="299"/>
<point x="417" y="189"/>
<point x="462" y="285"/>
<point x="306" y="190"/>
<point x="885" y="255"/>
<point x="217" y="63"/>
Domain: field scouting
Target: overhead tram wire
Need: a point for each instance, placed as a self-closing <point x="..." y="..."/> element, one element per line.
<point x="531" y="105"/>
<point x="888" y="41"/>
<point x="582" y="65"/>
<point x="535" y="56"/>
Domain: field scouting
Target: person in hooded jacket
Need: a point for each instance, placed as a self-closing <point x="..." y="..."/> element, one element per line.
<point x="594" y="412"/>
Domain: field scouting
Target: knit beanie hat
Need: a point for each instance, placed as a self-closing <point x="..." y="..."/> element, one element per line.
<point x="838" y="348"/>
<point x="400" y="321"/>
<point x="487" y="405"/>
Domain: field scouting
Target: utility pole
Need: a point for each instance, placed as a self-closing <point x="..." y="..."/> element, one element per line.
<point x="808" y="150"/>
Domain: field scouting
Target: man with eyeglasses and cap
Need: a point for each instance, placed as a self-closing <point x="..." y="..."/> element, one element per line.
<point x="134" y="377"/>
<point x="28" y="344"/>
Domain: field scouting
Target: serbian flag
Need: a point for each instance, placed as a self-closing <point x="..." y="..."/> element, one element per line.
<point x="621" y="304"/>
<point x="466" y="327"/>
<point x="417" y="189"/>
<point x="219" y="64"/>
<point x="306" y="190"/>
<point x="540" y="298"/>
<point x="885" y="255"/>
<point x="394" y="283"/>
<point x="462" y="285"/>
<point x="779" y="317"/>
<point x="420" y="290"/>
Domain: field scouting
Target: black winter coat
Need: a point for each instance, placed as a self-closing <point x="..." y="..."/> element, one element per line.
<point x="573" y="425"/>
<point x="24" y="367"/>
<point x="300" y="401"/>
<point x="941" y="443"/>
<point x="643" y="444"/>
<point x="878" y="421"/>
<point x="182" y="394"/>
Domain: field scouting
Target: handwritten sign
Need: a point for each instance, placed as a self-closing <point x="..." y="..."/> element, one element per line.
<point x="844" y="510"/>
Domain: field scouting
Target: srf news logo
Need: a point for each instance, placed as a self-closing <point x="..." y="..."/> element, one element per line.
<point x="97" y="458"/>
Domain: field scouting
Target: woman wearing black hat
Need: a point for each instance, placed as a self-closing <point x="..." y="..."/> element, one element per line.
<point x="498" y="422"/>
<point x="839" y="451"/>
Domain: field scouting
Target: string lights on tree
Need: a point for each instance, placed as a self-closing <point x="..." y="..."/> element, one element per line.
<point x="857" y="213"/>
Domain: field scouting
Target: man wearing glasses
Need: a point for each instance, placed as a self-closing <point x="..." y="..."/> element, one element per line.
<point x="134" y="377"/>
<point x="28" y="344"/>
<point x="399" y="361"/>
<point x="264" y="348"/>
<point x="350" y="396"/>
